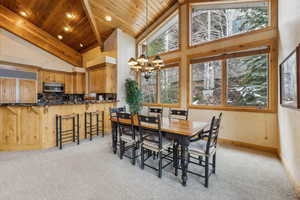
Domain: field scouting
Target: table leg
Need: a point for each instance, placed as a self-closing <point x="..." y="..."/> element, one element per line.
<point x="184" y="163"/>
<point x="114" y="137"/>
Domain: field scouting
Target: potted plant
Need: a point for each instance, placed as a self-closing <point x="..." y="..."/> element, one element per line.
<point x="133" y="96"/>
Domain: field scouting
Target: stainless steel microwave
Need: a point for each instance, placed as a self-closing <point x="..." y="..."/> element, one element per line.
<point x="53" y="87"/>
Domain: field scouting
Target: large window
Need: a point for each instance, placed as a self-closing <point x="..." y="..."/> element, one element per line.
<point x="148" y="87"/>
<point x="162" y="87"/>
<point x="169" y="85"/>
<point x="207" y="83"/>
<point x="212" y="22"/>
<point x="163" y="40"/>
<point x="244" y="79"/>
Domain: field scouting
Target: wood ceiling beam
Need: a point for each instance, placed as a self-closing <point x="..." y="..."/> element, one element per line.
<point x="31" y="33"/>
<point x="88" y="12"/>
<point x="181" y="1"/>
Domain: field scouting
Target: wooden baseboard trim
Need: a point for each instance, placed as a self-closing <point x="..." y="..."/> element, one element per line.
<point x="295" y="185"/>
<point x="248" y="145"/>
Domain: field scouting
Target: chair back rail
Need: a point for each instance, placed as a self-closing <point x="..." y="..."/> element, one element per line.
<point x="126" y="129"/>
<point x="147" y="134"/>
<point x="178" y="114"/>
<point x="213" y="133"/>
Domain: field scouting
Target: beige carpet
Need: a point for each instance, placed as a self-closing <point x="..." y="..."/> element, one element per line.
<point x="91" y="172"/>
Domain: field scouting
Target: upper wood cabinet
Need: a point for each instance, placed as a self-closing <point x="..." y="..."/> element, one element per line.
<point x="103" y="78"/>
<point x="28" y="90"/>
<point x="79" y="83"/>
<point x="68" y="83"/>
<point x="8" y="90"/>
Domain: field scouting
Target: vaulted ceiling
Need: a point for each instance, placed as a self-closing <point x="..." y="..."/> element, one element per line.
<point x="87" y="25"/>
<point x="50" y="15"/>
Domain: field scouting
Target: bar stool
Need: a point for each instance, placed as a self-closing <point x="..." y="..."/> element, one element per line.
<point x="93" y="124"/>
<point x="68" y="135"/>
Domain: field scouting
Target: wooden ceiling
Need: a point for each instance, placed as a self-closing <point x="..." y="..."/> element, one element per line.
<point x="50" y="16"/>
<point x="88" y="27"/>
<point x="128" y="15"/>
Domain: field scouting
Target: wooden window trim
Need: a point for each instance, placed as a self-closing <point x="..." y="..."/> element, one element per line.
<point x="272" y="20"/>
<point x="224" y="105"/>
<point x="168" y="64"/>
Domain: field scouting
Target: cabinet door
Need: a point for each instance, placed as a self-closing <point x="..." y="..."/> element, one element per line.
<point x="8" y="90"/>
<point x="28" y="91"/>
<point x="81" y="83"/>
<point x="59" y="77"/>
<point x="48" y="76"/>
<point x="69" y="83"/>
<point x="97" y="82"/>
<point x="111" y="77"/>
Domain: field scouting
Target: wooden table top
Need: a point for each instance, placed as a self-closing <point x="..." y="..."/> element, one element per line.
<point x="181" y="127"/>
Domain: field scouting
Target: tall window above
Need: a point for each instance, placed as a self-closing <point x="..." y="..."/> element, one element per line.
<point x="164" y="39"/>
<point x="212" y="22"/>
<point x="169" y="85"/>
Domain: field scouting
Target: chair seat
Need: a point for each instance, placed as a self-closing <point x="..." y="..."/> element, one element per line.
<point x="155" y="146"/>
<point x="128" y="139"/>
<point x="198" y="148"/>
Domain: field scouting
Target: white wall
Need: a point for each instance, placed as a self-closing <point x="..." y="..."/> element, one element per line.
<point x="289" y="119"/>
<point x="15" y="49"/>
<point x="125" y="50"/>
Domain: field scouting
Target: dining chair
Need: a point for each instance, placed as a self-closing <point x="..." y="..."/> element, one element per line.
<point x="113" y="111"/>
<point x="155" y="111"/>
<point x="152" y="140"/>
<point x="205" y="147"/>
<point x="178" y="114"/>
<point x="127" y="136"/>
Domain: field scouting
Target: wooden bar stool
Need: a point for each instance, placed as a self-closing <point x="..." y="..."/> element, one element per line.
<point x="93" y="124"/>
<point x="67" y="135"/>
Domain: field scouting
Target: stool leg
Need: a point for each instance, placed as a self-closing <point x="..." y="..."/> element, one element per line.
<point x="60" y="134"/>
<point x="102" y="123"/>
<point x="160" y="164"/>
<point x="78" y="135"/>
<point x="97" y="123"/>
<point x="85" y="126"/>
<point x="91" y="128"/>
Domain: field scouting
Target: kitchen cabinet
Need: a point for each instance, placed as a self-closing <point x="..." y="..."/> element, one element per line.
<point x="8" y="90"/>
<point x="79" y="83"/>
<point x="68" y="83"/>
<point x="28" y="90"/>
<point x="103" y="78"/>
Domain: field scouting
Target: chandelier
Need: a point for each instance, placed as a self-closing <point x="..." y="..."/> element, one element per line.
<point x="143" y="64"/>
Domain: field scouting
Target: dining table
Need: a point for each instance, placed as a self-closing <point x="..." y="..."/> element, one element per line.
<point x="179" y="130"/>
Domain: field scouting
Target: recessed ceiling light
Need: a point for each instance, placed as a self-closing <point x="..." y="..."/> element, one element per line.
<point x="67" y="29"/>
<point x="60" y="37"/>
<point x="81" y="45"/>
<point x="24" y="14"/>
<point x="108" y="18"/>
<point x="70" y="15"/>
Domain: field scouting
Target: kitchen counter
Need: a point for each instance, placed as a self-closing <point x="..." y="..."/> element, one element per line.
<point x="33" y="126"/>
<point x="56" y="104"/>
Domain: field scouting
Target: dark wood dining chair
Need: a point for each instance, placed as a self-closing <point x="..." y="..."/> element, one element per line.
<point x="155" y="111"/>
<point x="178" y="114"/>
<point x="152" y="141"/>
<point x="205" y="148"/>
<point x="127" y="136"/>
<point x="113" y="111"/>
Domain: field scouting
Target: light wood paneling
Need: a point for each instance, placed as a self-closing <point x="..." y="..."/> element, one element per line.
<point x="79" y="83"/>
<point x="30" y="32"/>
<point x="128" y="15"/>
<point x="50" y="16"/>
<point x="28" y="91"/>
<point x="8" y="90"/>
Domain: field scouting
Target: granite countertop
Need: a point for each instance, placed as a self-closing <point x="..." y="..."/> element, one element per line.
<point x="55" y="104"/>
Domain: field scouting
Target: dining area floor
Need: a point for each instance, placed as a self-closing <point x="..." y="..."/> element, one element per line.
<point x="92" y="172"/>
